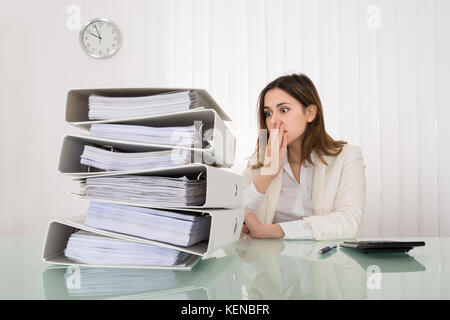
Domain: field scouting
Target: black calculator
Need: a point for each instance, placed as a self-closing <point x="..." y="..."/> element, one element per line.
<point x="382" y="246"/>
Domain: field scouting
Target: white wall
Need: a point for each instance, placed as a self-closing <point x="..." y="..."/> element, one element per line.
<point x="382" y="69"/>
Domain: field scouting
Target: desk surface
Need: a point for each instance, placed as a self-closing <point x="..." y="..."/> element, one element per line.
<point x="248" y="269"/>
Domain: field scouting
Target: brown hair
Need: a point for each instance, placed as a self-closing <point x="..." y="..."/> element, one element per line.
<point x="315" y="138"/>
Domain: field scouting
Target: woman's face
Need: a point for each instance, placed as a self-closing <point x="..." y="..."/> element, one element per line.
<point x="282" y="109"/>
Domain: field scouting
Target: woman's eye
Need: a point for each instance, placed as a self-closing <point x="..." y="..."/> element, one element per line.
<point x="284" y="110"/>
<point x="268" y="113"/>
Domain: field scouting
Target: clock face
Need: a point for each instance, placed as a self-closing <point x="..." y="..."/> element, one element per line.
<point x="100" y="38"/>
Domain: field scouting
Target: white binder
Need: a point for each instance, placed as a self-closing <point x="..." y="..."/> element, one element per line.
<point x="77" y="103"/>
<point x="222" y="143"/>
<point x="223" y="188"/>
<point x="225" y="229"/>
<point x="220" y="152"/>
<point x="73" y="146"/>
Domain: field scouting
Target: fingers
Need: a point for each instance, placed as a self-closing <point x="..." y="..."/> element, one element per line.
<point x="245" y="229"/>
<point x="279" y="134"/>
<point x="283" y="148"/>
<point x="275" y="134"/>
<point x="274" y="137"/>
<point x="277" y="141"/>
<point x="282" y="134"/>
<point x="268" y="150"/>
<point x="283" y="141"/>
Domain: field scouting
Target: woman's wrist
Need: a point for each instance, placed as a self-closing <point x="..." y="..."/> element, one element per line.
<point x="273" y="231"/>
<point x="262" y="182"/>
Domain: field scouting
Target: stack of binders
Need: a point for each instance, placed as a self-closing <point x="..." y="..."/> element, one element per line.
<point x="152" y="166"/>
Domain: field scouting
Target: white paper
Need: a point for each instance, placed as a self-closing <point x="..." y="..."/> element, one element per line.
<point x="90" y="248"/>
<point x="123" y="161"/>
<point x="182" y="229"/>
<point x="150" y="190"/>
<point x="184" y="136"/>
<point x="107" y="108"/>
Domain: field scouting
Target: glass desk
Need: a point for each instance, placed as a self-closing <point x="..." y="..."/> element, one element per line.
<point x="248" y="269"/>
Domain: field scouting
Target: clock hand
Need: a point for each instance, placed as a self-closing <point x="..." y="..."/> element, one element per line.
<point x="100" y="37"/>
<point x="94" y="35"/>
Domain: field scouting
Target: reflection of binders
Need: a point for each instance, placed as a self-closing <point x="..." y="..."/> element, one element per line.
<point x="77" y="105"/>
<point x="77" y="282"/>
<point x="219" y="278"/>
<point x="225" y="229"/>
<point x="226" y="194"/>
<point x="221" y="148"/>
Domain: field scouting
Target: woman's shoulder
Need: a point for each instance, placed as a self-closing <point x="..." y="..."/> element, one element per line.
<point x="349" y="153"/>
<point x="351" y="150"/>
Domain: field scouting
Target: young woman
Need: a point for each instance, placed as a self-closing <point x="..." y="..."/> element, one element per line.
<point x="303" y="184"/>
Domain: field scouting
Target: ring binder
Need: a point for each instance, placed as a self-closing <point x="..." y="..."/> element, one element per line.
<point x="111" y="148"/>
<point x="217" y="196"/>
<point x="219" y="143"/>
<point x="77" y="102"/>
<point x="224" y="227"/>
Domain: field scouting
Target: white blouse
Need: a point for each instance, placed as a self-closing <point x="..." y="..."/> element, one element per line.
<point x="295" y="202"/>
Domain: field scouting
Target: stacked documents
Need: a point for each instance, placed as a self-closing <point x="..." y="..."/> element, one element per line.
<point x="185" y="136"/>
<point x="108" y="108"/>
<point x="147" y="190"/>
<point x="123" y="161"/>
<point x="156" y="199"/>
<point x="183" y="229"/>
<point x="91" y="248"/>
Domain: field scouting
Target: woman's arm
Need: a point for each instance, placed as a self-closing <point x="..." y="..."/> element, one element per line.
<point x="256" y="229"/>
<point x="298" y="229"/>
<point x="255" y="190"/>
<point x="262" y="182"/>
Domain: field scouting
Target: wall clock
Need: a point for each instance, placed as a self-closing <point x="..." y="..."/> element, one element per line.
<point x="100" y="38"/>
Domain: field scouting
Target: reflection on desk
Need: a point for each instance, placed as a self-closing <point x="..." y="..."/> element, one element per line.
<point x="212" y="279"/>
<point x="293" y="270"/>
<point x="248" y="269"/>
<point x="385" y="262"/>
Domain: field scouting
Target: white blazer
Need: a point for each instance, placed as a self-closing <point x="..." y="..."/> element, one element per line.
<point x="338" y="194"/>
